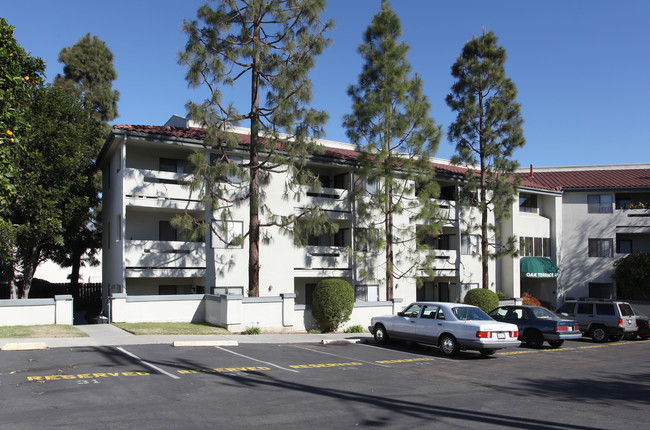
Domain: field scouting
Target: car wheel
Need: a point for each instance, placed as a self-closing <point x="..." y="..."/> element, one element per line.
<point x="599" y="334"/>
<point x="449" y="345"/>
<point x="381" y="336"/>
<point x="534" y="339"/>
<point x="616" y="338"/>
<point x="487" y="352"/>
<point x="556" y="343"/>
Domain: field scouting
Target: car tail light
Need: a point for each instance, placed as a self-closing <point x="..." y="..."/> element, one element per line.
<point x="514" y="334"/>
<point x="484" y="334"/>
<point x="620" y="322"/>
<point x="561" y="328"/>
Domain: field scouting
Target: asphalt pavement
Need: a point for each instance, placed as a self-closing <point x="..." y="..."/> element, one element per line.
<point x="110" y="335"/>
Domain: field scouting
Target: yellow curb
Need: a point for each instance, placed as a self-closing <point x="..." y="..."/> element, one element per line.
<point x="205" y="343"/>
<point x="24" y="346"/>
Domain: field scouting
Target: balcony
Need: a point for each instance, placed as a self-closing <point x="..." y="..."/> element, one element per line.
<point x="448" y="211"/>
<point x="333" y="200"/>
<point x="150" y="254"/>
<point x="324" y="260"/>
<point x="632" y="220"/>
<point x="153" y="188"/>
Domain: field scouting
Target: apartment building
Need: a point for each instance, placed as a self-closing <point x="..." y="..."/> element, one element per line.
<point x="605" y="216"/>
<point x="144" y="259"/>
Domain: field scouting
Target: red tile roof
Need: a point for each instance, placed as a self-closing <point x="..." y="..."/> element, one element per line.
<point x="606" y="177"/>
<point x="558" y="180"/>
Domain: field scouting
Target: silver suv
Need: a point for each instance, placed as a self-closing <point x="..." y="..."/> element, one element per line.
<point x="601" y="319"/>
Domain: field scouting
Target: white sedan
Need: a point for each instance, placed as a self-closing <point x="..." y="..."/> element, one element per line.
<point x="451" y="326"/>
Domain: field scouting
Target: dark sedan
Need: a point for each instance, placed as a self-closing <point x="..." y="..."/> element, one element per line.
<point x="537" y="324"/>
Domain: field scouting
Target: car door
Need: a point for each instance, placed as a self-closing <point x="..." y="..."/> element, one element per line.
<point x="584" y="315"/>
<point x="404" y="325"/>
<point x="427" y="327"/>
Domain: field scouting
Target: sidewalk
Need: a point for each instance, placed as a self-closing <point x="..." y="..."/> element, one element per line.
<point x="110" y="335"/>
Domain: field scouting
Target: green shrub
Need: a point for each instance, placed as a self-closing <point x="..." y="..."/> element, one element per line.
<point x="483" y="298"/>
<point x="333" y="301"/>
<point x="314" y="331"/>
<point x="501" y="295"/>
<point x="355" y="329"/>
<point x="253" y="330"/>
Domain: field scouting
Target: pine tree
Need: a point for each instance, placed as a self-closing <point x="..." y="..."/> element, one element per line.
<point x="390" y="119"/>
<point x="88" y="76"/>
<point x="269" y="49"/>
<point x="487" y="130"/>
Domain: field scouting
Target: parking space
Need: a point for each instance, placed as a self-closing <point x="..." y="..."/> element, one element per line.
<point x="92" y="365"/>
<point x="288" y="385"/>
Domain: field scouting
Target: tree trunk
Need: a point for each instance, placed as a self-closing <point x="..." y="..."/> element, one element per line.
<point x="389" y="243"/>
<point x="254" y="217"/>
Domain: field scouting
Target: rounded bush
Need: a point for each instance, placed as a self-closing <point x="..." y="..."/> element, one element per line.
<point x="483" y="298"/>
<point x="529" y="300"/>
<point x="333" y="301"/>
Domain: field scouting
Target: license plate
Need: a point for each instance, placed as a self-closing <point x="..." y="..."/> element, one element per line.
<point x="501" y="335"/>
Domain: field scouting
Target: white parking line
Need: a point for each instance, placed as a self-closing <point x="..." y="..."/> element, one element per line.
<point x="156" y="368"/>
<point x="255" y="359"/>
<point x="451" y="360"/>
<point x="341" y="356"/>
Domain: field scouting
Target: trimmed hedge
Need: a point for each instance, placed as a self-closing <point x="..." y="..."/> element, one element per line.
<point x="483" y="298"/>
<point x="333" y="301"/>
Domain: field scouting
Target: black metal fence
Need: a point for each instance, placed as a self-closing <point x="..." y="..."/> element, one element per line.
<point x="86" y="295"/>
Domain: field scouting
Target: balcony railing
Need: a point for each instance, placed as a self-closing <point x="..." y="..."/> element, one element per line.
<point x="632" y="220"/>
<point x="324" y="258"/>
<point x="158" y="254"/>
<point x="141" y="186"/>
<point x="329" y="199"/>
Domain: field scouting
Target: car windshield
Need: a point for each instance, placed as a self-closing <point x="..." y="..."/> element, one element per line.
<point x="466" y="313"/>
<point x="544" y="314"/>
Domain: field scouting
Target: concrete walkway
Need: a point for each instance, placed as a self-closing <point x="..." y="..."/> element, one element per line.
<point x="110" y="335"/>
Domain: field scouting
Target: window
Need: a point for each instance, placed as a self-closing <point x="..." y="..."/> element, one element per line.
<point x="535" y="246"/>
<point x="366" y="293"/>
<point x="528" y="202"/>
<point x="599" y="203"/>
<point x="365" y="238"/>
<point x="368" y="184"/>
<point x="168" y="290"/>
<point x="231" y="291"/>
<point x="412" y="311"/>
<point x="601" y="247"/>
<point x="585" y="308"/>
<point x="429" y="311"/>
<point x="441" y="241"/>
<point x="623" y="246"/>
<point x="605" y="309"/>
<point x="232" y="177"/>
<point x="329" y="239"/>
<point x="602" y="290"/>
<point x="469" y="244"/>
<point x="171" y="165"/>
<point x="227" y="233"/>
<point x="166" y="233"/>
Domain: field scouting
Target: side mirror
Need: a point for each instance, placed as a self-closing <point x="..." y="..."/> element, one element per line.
<point x="400" y="314"/>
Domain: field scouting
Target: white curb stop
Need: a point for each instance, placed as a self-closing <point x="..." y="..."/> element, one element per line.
<point x="341" y="341"/>
<point x="178" y="343"/>
<point x="24" y="346"/>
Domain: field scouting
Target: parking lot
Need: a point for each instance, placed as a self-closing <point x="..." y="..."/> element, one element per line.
<point x="582" y="385"/>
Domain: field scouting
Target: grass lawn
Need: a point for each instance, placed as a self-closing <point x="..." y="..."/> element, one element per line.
<point x="170" y="328"/>
<point x="49" y="330"/>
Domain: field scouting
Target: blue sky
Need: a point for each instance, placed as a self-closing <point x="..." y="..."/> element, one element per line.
<point x="580" y="66"/>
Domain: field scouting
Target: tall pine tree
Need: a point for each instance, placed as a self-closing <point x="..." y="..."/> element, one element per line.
<point x="88" y="76"/>
<point x="487" y="130"/>
<point x="268" y="48"/>
<point x="390" y="119"/>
